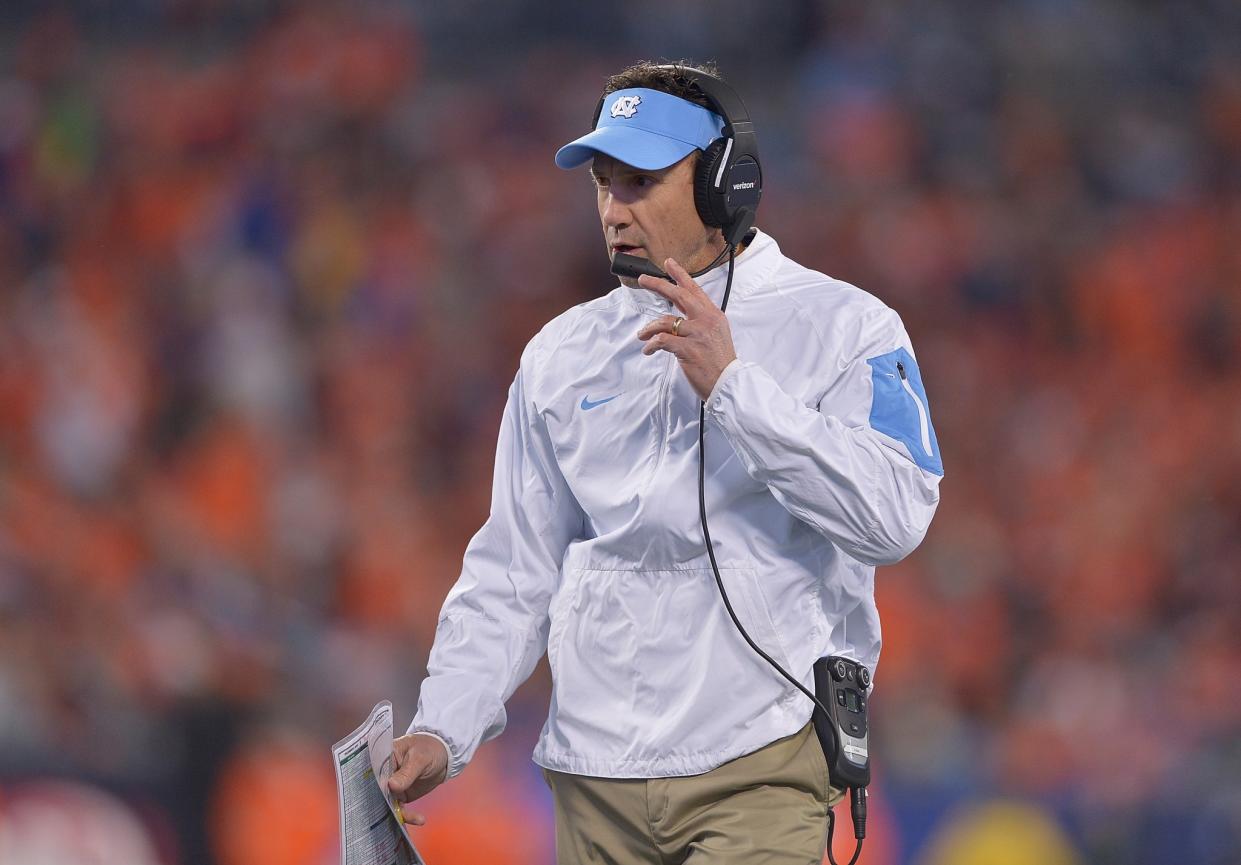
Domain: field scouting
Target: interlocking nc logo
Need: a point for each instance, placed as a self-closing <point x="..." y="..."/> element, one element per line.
<point x="626" y="106"/>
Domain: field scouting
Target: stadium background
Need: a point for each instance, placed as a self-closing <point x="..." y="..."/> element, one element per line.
<point x="265" y="272"/>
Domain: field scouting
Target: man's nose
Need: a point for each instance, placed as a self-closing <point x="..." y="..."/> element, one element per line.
<point x="615" y="213"/>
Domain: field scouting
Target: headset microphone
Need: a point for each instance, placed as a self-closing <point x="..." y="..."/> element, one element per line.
<point x="633" y="266"/>
<point x="624" y="264"/>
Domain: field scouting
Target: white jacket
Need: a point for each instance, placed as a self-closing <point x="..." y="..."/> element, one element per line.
<point x="821" y="464"/>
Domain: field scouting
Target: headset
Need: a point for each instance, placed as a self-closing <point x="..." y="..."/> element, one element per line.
<point x="728" y="181"/>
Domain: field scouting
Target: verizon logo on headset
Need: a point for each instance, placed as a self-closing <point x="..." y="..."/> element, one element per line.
<point x="748" y="184"/>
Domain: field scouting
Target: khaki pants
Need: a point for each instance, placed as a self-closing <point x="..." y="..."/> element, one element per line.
<point x="766" y="807"/>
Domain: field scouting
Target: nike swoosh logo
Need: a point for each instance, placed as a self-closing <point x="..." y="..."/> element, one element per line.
<point x="587" y="405"/>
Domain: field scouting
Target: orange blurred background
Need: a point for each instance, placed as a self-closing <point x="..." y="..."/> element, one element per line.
<point x="266" y="269"/>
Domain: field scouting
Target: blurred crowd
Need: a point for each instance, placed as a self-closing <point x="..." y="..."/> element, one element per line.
<point x="266" y="269"/>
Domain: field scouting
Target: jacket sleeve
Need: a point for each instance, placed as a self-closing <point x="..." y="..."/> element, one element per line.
<point x="862" y="466"/>
<point x="493" y="626"/>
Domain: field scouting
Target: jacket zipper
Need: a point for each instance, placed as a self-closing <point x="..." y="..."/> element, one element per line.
<point x="665" y="409"/>
<point x="924" y="423"/>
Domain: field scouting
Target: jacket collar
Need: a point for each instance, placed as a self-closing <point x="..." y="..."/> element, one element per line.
<point x="751" y="271"/>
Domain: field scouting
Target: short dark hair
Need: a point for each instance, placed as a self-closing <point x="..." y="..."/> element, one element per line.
<point x="655" y="76"/>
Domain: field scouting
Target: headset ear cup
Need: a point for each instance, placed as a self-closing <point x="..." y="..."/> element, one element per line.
<point x="710" y="204"/>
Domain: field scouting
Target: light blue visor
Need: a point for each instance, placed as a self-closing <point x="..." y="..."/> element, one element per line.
<point x="646" y="129"/>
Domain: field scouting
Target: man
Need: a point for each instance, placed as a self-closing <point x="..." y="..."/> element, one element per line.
<point x="668" y="738"/>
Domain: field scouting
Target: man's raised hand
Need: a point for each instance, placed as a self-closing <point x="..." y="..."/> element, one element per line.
<point x="702" y="342"/>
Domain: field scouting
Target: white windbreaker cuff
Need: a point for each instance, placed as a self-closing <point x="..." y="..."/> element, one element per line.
<point x="733" y="366"/>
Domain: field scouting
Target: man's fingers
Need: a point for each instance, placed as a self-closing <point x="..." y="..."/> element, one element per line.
<point x="664" y="341"/>
<point x="659" y="325"/>
<point x="682" y="290"/>
<point x="691" y="291"/>
<point x="665" y="288"/>
<point x="412" y="817"/>
<point x="680" y="275"/>
<point x="403" y="777"/>
<point x="408" y="773"/>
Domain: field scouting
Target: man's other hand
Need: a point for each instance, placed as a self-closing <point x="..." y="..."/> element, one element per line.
<point x="420" y="764"/>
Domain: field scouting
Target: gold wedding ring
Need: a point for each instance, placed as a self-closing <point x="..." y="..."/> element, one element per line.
<point x="676" y="327"/>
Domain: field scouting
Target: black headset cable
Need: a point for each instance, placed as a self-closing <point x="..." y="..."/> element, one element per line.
<point x="857" y="794"/>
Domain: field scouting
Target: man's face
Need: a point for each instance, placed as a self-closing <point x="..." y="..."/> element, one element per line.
<point x="651" y="213"/>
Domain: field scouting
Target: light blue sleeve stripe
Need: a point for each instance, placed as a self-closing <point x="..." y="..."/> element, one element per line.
<point x="900" y="409"/>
